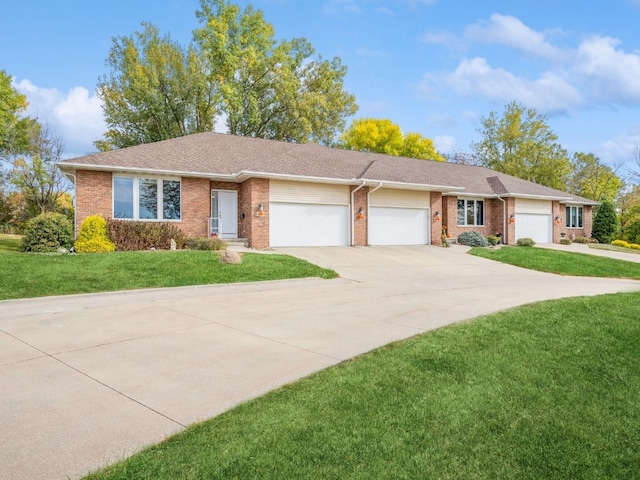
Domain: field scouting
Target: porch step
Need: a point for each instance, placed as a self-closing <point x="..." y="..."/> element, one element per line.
<point x="237" y="242"/>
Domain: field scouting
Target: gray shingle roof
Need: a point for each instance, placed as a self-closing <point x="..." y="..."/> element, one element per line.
<point x="216" y="155"/>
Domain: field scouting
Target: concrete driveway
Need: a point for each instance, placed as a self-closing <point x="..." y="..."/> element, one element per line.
<point x="86" y="380"/>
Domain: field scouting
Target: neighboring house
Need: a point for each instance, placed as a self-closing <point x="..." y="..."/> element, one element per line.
<point x="284" y="194"/>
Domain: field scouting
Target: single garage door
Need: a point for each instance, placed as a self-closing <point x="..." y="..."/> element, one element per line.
<point x="535" y="226"/>
<point x="399" y="217"/>
<point x="308" y="215"/>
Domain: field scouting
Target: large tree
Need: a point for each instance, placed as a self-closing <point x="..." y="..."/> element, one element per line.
<point x="156" y="90"/>
<point x="384" y="136"/>
<point x="592" y="179"/>
<point x="521" y="143"/>
<point x="234" y="70"/>
<point x="35" y="173"/>
<point x="14" y="127"/>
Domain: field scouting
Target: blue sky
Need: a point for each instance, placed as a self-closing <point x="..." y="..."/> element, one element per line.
<point x="431" y="66"/>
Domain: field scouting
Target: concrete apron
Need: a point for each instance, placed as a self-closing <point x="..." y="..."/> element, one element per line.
<point x="89" y="379"/>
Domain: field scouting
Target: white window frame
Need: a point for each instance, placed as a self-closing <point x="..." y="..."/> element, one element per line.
<point x="136" y="198"/>
<point x="577" y="212"/>
<point x="475" y="211"/>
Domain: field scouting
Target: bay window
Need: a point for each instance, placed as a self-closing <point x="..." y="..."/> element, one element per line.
<point x="146" y="198"/>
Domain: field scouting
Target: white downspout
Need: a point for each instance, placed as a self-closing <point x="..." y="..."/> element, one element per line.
<point x="504" y="219"/>
<point x="353" y="216"/>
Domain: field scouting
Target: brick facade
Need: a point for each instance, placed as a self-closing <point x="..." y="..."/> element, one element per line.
<point x="437" y="217"/>
<point x="94" y="196"/>
<point x="251" y="224"/>
<point x="360" y="222"/>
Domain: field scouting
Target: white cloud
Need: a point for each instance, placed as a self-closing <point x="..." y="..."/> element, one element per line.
<point x="476" y="78"/>
<point x="609" y="73"/>
<point x="445" y="144"/>
<point x="619" y="150"/>
<point x="510" y="31"/>
<point x="76" y="117"/>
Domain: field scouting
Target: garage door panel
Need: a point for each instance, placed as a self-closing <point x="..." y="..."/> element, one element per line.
<point x="534" y="226"/>
<point x="308" y="225"/>
<point x="398" y="226"/>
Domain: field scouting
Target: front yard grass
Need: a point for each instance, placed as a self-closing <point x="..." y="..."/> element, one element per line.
<point x="563" y="263"/>
<point x="35" y="275"/>
<point x="548" y="390"/>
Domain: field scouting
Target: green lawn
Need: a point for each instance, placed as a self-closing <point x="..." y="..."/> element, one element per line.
<point x="546" y="391"/>
<point x="26" y="275"/>
<point x="563" y="263"/>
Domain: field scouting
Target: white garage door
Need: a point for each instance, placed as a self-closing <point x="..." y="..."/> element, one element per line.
<point x="308" y="225"/>
<point x="308" y="215"/>
<point x="535" y="226"/>
<point x="399" y="217"/>
<point x="398" y="226"/>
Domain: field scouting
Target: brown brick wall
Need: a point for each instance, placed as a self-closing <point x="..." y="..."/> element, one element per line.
<point x="493" y="218"/>
<point x="360" y="225"/>
<point x="437" y="221"/>
<point x="93" y="195"/>
<point x="196" y="207"/>
<point x="251" y="194"/>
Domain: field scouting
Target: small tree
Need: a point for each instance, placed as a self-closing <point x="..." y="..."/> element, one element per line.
<point x="605" y="223"/>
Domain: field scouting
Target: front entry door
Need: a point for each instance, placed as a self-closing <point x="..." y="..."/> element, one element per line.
<point x="224" y="213"/>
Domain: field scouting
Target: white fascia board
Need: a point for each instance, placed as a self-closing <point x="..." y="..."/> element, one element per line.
<point x="64" y="167"/>
<point x="409" y="186"/>
<point x="246" y="174"/>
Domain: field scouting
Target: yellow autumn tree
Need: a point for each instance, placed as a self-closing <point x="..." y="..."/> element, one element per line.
<point x="383" y="136"/>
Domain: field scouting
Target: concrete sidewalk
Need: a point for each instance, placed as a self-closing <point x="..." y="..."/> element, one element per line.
<point x="86" y="380"/>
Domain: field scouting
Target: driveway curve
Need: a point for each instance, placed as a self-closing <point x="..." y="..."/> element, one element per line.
<point x="89" y="379"/>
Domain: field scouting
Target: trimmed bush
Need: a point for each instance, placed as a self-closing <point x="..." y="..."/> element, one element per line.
<point x="634" y="246"/>
<point x="525" y="242"/>
<point x="472" y="239"/>
<point x="47" y="233"/>
<point x="620" y="243"/>
<point x="493" y="240"/>
<point x="93" y="236"/>
<point x="581" y="240"/>
<point x="205" y="244"/>
<point x="132" y="236"/>
<point x="565" y="241"/>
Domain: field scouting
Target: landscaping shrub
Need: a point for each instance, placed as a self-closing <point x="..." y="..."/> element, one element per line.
<point x="565" y="241"/>
<point x="525" y="242"/>
<point x="93" y="236"/>
<point x="205" y="244"/>
<point x="472" y="239"/>
<point x="582" y="240"/>
<point x="131" y="236"/>
<point x="47" y="233"/>
<point x="620" y="243"/>
<point x="493" y="240"/>
<point x="634" y="246"/>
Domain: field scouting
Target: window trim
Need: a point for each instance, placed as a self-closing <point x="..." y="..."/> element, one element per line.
<point x="136" y="197"/>
<point x="579" y="215"/>
<point x="475" y="212"/>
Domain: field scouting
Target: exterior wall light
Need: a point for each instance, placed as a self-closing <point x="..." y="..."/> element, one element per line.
<point x="437" y="216"/>
<point x="260" y="210"/>
<point x="558" y="220"/>
<point x="361" y="213"/>
<point x="512" y="218"/>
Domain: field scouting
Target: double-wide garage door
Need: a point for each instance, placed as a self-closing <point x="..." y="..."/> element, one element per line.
<point x="308" y="214"/>
<point x="399" y="217"/>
